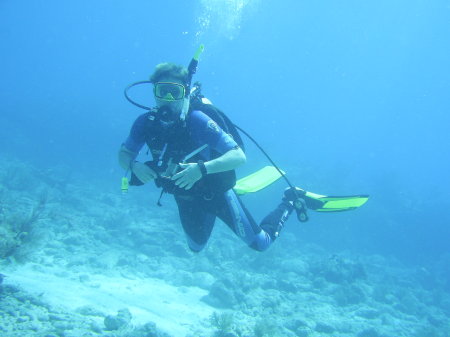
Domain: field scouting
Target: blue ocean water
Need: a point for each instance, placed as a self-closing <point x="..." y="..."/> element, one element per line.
<point x="349" y="97"/>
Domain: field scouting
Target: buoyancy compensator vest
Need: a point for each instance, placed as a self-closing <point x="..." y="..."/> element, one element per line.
<point x="171" y="144"/>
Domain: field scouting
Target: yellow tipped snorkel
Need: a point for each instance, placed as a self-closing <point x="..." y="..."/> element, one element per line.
<point x="192" y="68"/>
<point x="200" y="50"/>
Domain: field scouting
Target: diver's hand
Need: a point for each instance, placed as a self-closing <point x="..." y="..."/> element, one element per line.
<point x="188" y="176"/>
<point x="143" y="172"/>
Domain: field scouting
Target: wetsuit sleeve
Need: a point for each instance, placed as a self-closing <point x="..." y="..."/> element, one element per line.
<point x="136" y="139"/>
<point x="206" y="131"/>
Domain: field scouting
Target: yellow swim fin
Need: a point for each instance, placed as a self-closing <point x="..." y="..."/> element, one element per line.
<point x="257" y="181"/>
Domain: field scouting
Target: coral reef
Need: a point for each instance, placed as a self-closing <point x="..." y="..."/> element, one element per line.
<point x="74" y="234"/>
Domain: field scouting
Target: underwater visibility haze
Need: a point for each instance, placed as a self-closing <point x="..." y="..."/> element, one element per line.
<point x="348" y="98"/>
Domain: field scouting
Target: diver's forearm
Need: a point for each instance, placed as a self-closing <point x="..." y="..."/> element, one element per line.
<point x="228" y="161"/>
<point x="126" y="157"/>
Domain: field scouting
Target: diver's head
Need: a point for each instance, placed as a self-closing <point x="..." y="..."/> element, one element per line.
<point x="170" y="90"/>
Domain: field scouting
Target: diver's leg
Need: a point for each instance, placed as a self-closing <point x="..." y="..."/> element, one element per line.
<point x="232" y="211"/>
<point x="273" y="223"/>
<point x="196" y="221"/>
<point x="292" y="200"/>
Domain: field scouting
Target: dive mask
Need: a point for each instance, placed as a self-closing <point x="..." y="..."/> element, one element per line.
<point x="169" y="91"/>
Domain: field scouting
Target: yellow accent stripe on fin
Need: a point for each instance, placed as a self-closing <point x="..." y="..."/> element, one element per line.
<point x="345" y="202"/>
<point x="257" y="180"/>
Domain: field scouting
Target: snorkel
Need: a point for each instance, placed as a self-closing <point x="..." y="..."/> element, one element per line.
<point x="192" y="68"/>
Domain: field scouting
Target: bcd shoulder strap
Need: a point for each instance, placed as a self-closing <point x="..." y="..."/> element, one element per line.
<point x="219" y="117"/>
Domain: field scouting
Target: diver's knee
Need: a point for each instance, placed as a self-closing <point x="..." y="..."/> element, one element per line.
<point x="195" y="247"/>
<point x="258" y="247"/>
<point x="262" y="241"/>
<point x="195" y="250"/>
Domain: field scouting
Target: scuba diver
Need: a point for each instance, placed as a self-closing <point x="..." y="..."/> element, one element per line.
<point x="195" y="149"/>
<point x="174" y="130"/>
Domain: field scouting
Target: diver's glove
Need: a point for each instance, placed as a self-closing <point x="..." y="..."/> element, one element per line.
<point x="143" y="172"/>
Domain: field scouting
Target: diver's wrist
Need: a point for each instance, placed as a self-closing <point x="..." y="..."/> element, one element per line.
<point x="202" y="166"/>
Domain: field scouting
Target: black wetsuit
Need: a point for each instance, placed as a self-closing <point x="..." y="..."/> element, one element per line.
<point x="197" y="212"/>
